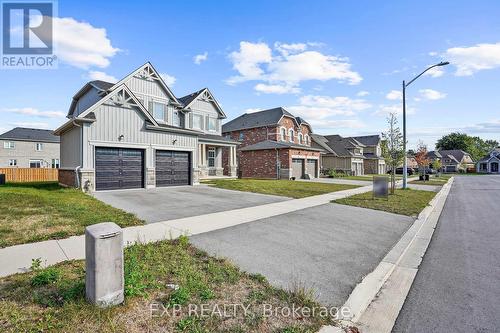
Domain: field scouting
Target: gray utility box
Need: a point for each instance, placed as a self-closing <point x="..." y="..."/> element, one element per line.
<point x="104" y="264"/>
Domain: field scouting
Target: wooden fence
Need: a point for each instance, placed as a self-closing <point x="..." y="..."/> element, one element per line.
<point x="29" y="174"/>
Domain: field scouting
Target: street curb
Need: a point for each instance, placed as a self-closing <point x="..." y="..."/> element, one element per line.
<point x="376" y="301"/>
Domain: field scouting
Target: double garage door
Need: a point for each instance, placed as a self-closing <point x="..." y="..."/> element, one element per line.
<point x="123" y="168"/>
<point x="298" y="165"/>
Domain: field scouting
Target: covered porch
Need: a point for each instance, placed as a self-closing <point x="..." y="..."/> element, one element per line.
<point x="217" y="159"/>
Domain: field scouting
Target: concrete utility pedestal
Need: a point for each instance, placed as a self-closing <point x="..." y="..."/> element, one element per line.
<point x="104" y="264"/>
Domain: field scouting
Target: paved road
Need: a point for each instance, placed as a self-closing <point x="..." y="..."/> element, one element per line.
<point x="328" y="248"/>
<point x="457" y="288"/>
<point x="169" y="203"/>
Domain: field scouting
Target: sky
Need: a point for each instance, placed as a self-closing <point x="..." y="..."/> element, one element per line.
<point x="338" y="64"/>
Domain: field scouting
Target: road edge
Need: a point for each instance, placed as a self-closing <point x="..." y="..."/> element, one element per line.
<point x="375" y="302"/>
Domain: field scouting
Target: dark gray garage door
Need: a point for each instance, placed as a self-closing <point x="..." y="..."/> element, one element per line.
<point x="118" y="168"/>
<point x="297" y="168"/>
<point x="172" y="168"/>
<point x="311" y="167"/>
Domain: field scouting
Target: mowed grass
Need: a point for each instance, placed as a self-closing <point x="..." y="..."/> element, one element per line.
<point x="158" y="276"/>
<point x="286" y="188"/>
<point x="368" y="177"/>
<point x="405" y="202"/>
<point x="32" y="212"/>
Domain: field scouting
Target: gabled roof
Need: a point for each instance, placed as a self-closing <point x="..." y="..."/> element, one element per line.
<point x="458" y="154"/>
<point x="205" y="93"/>
<point x="268" y="117"/>
<point x="30" y="134"/>
<point x="337" y="144"/>
<point x="495" y="153"/>
<point x="270" y="144"/>
<point x="368" y="140"/>
<point x="434" y="154"/>
<point x="102" y="86"/>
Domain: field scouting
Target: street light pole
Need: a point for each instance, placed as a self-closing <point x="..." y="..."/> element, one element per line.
<point x="405" y="162"/>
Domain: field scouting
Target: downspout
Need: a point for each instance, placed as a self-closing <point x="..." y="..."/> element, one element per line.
<point x="277" y="163"/>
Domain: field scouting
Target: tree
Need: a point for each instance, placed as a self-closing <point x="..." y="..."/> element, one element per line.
<point x="422" y="158"/>
<point x="437" y="165"/>
<point x="392" y="150"/>
<point x="474" y="145"/>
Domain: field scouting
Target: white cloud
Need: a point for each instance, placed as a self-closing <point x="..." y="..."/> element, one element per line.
<point x="431" y="94"/>
<point x="363" y="93"/>
<point x="98" y="75"/>
<point x="252" y="110"/>
<point x="276" y="89"/>
<point x="28" y="111"/>
<point x="292" y="65"/>
<point x="334" y="125"/>
<point x="394" y="95"/>
<point x="435" y="72"/>
<point x="335" y="105"/>
<point x="81" y="44"/>
<point x="248" y="59"/>
<point x="470" y="60"/>
<point x="30" y="124"/>
<point x="169" y="79"/>
<point x="199" y="58"/>
<point x="385" y="110"/>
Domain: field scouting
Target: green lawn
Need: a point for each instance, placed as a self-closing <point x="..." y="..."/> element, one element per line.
<point x="405" y="202"/>
<point x="53" y="299"/>
<point x="433" y="180"/>
<point x="286" y="188"/>
<point x="368" y="177"/>
<point x="32" y="212"/>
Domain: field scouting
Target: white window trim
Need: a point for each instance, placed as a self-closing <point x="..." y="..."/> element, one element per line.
<point x="291" y="135"/>
<point x="9" y="145"/>
<point x="36" y="146"/>
<point x="306" y="139"/>
<point x="214" y="158"/>
<point x="215" y="127"/>
<point x="34" y="161"/>
<point x="200" y="116"/>
<point x="57" y="162"/>
<point x="13" y="162"/>
<point x="282" y="137"/>
<point x="301" y="138"/>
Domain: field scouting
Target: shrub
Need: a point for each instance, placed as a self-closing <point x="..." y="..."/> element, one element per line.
<point x="336" y="174"/>
<point x="46" y="276"/>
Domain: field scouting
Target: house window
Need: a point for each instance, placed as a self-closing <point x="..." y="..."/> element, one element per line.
<point x="159" y="111"/>
<point x="176" y="121"/>
<point x="211" y="157"/>
<point x="55" y="163"/>
<point x="306" y="139"/>
<point x="9" y="144"/>
<point x="12" y="163"/>
<point x="291" y="135"/>
<point x="35" y="164"/>
<point x="242" y="136"/>
<point x="301" y="138"/>
<point x="212" y="124"/>
<point x="197" y="121"/>
<point x="38" y="146"/>
<point x="283" y="134"/>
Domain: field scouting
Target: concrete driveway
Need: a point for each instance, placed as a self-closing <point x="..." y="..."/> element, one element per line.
<point x="162" y="204"/>
<point x="329" y="248"/>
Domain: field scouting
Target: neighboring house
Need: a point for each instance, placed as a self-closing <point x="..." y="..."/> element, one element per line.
<point x="434" y="156"/>
<point x="455" y="160"/>
<point x="273" y="144"/>
<point x="490" y="163"/>
<point x="373" y="162"/>
<point x="29" y="148"/>
<point x="340" y="154"/>
<point x="136" y="133"/>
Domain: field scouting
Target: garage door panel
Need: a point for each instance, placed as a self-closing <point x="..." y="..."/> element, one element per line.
<point x="119" y="168"/>
<point x="172" y="168"/>
<point x="297" y="167"/>
<point x="311" y="167"/>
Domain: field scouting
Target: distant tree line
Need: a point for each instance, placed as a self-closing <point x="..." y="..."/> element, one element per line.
<point x="474" y="145"/>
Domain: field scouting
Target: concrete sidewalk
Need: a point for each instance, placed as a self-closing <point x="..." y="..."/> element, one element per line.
<point x="18" y="258"/>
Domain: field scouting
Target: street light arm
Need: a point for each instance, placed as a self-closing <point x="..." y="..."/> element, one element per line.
<point x="419" y="75"/>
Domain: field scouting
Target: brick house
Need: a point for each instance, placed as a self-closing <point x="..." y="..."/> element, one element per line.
<point x="273" y="144"/>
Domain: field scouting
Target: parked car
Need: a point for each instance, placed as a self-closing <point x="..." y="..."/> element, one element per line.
<point x="399" y="171"/>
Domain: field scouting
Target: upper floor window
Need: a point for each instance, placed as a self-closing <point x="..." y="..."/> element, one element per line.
<point x="242" y="136"/>
<point x="55" y="163"/>
<point x="9" y="144"/>
<point x="176" y="121"/>
<point x="283" y="134"/>
<point x="197" y="121"/>
<point x="306" y="139"/>
<point x="212" y="124"/>
<point x="38" y="146"/>
<point x="291" y="135"/>
<point x="301" y="138"/>
<point x="158" y="111"/>
<point x="12" y="163"/>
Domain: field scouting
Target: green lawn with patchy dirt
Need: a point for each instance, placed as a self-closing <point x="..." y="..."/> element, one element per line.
<point x="405" y="202"/>
<point x="32" y="212"/>
<point x="433" y="180"/>
<point x="286" y="188"/>
<point x="158" y="276"/>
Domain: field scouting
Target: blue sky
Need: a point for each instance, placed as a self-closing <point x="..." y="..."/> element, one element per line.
<point x="338" y="64"/>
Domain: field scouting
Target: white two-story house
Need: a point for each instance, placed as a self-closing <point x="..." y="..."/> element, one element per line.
<point x="137" y="134"/>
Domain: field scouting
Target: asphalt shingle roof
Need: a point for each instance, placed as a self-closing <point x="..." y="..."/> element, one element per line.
<point x="368" y="140"/>
<point x="270" y="144"/>
<point x="256" y="119"/>
<point x="185" y="100"/>
<point x="30" y="134"/>
<point x="214" y="137"/>
<point x="337" y="144"/>
<point x="103" y="85"/>
<point x="456" y="153"/>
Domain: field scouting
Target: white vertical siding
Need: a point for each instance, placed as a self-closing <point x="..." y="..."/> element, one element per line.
<point x="71" y="148"/>
<point x="148" y="87"/>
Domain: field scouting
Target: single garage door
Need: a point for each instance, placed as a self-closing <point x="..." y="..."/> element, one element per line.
<point x="297" y="168"/>
<point x="118" y="168"/>
<point x="172" y="168"/>
<point x="311" y="167"/>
